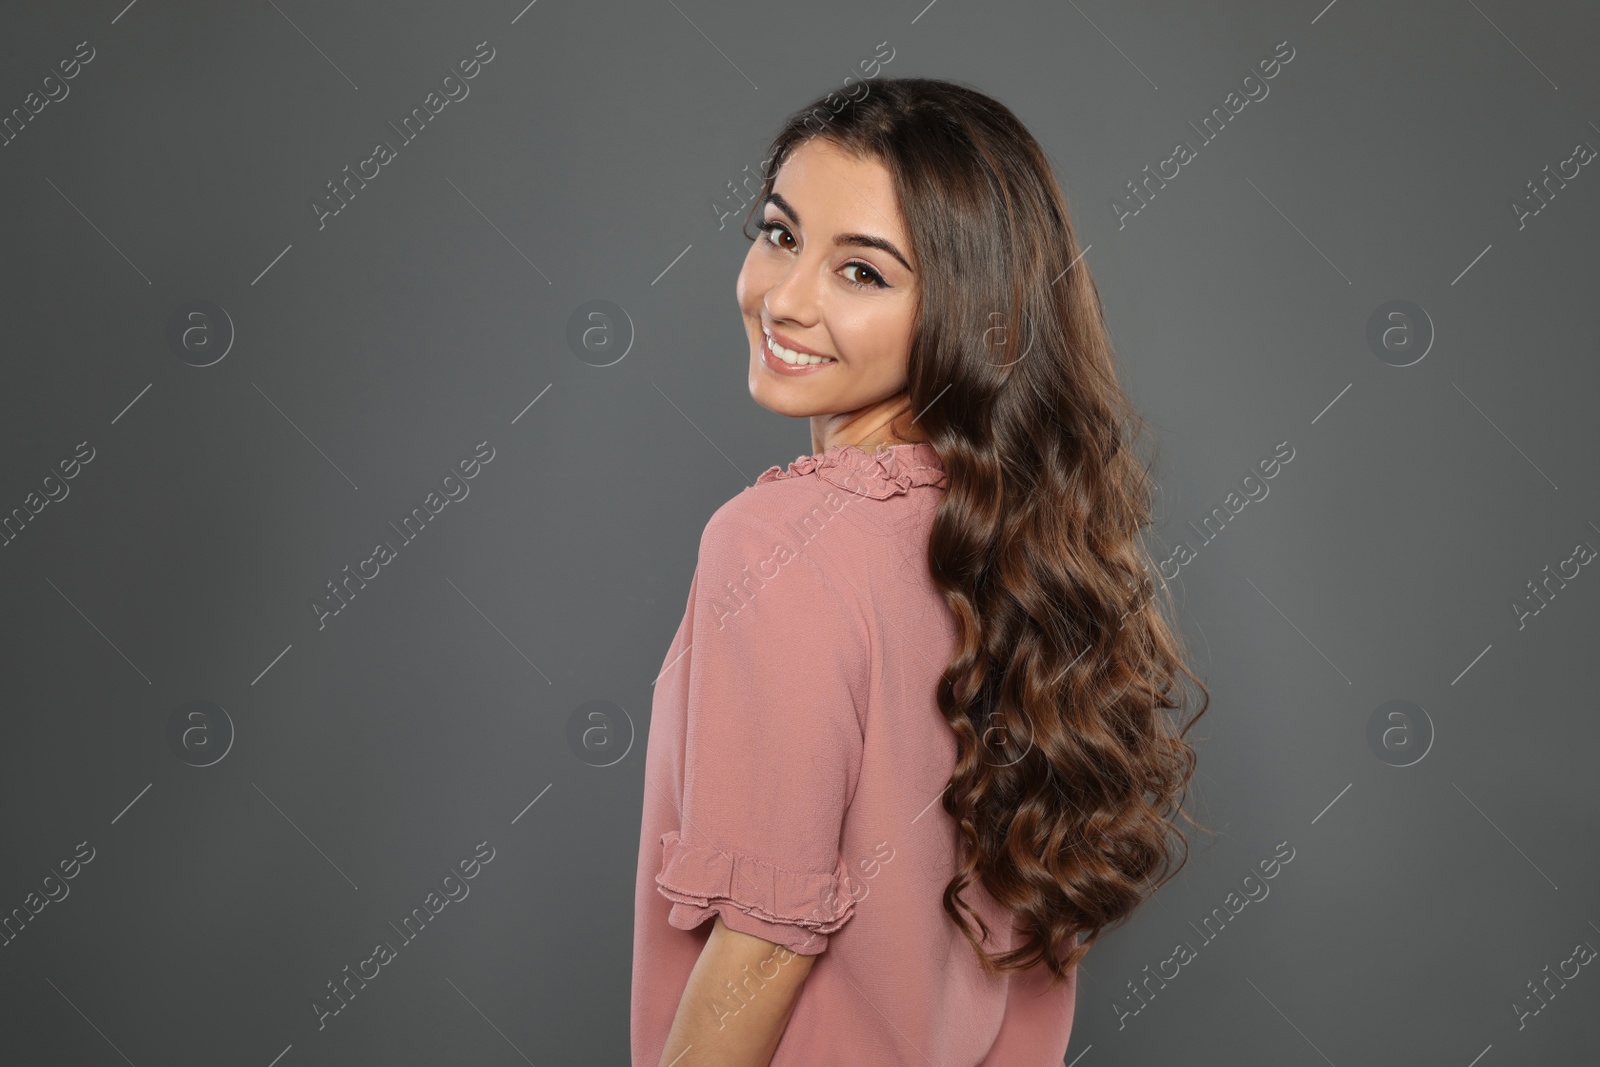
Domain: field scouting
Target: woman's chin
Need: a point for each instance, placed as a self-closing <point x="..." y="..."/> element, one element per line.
<point x="776" y="398"/>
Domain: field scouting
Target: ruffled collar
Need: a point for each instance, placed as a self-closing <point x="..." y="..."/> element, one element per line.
<point x="889" y="470"/>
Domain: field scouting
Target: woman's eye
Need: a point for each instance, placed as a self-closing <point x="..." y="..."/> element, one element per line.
<point x="775" y="233"/>
<point x="875" y="280"/>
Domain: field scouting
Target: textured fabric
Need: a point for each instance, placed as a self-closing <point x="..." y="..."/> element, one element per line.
<point x="793" y="776"/>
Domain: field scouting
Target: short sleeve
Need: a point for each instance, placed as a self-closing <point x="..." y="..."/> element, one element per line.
<point x="778" y="662"/>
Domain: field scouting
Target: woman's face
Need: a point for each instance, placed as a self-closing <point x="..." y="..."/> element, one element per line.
<point x="830" y="273"/>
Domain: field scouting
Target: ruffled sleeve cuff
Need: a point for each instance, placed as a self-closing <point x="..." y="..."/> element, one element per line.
<point x="797" y="909"/>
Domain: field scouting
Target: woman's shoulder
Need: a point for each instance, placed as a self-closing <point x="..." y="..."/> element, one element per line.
<point x="879" y="475"/>
<point x="794" y="502"/>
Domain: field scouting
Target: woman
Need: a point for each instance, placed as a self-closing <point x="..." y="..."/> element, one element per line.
<point x="908" y="750"/>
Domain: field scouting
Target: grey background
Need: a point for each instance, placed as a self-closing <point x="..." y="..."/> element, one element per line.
<point x="371" y="356"/>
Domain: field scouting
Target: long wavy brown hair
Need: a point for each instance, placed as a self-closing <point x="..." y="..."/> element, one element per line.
<point x="1066" y="670"/>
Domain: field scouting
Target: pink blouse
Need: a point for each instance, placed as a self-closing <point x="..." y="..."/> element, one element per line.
<point x="793" y="780"/>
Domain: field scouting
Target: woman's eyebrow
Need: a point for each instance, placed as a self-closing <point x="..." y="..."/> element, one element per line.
<point x="859" y="240"/>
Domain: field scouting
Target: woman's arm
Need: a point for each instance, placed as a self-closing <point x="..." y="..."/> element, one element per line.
<point x="738" y="1000"/>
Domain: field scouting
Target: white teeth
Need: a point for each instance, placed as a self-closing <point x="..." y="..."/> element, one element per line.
<point x="799" y="359"/>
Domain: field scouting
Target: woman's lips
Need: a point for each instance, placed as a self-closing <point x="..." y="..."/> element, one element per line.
<point x="778" y="366"/>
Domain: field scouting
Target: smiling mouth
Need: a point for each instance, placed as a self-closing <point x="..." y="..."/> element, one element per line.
<point x="791" y="357"/>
